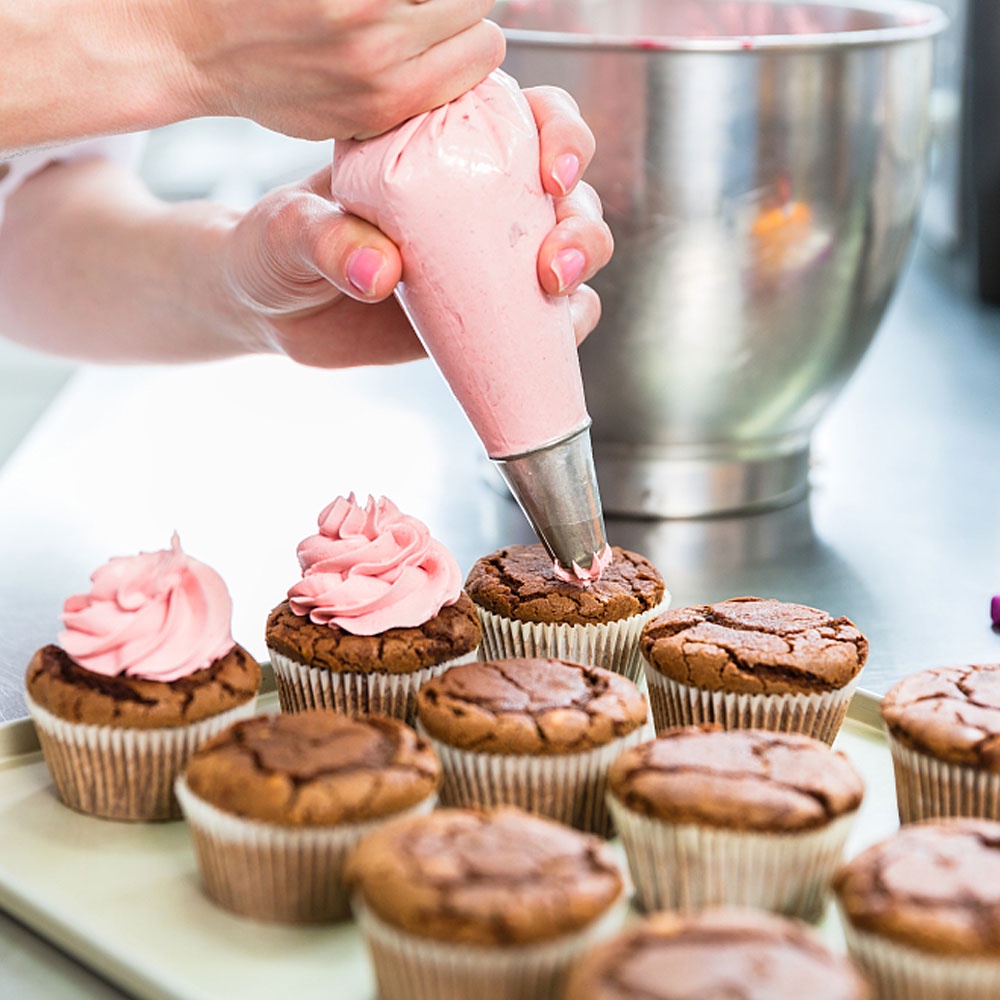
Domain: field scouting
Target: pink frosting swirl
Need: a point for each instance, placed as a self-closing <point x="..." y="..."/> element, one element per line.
<point x="371" y="569"/>
<point x="157" y="615"/>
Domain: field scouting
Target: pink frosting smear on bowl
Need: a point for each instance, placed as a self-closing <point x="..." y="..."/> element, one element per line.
<point x="158" y="616"/>
<point x="459" y="191"/>
<point x="372" y="568"/>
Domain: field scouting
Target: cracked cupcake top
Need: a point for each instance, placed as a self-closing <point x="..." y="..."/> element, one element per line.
<point x="721" y="952"/>
<point x="519" y="582"/>
<point x="315" y="768"/>
<point x="491" y="878"/>
<point x="949" y="712"/>
<point x="934" y="886"/>
<point x="753" y="645"/>
<point x="529" y="706"/>
<point x="744" y="779"/>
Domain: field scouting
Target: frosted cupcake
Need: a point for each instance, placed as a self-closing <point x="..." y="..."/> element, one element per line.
<point x="145" y="671"/>
<point x="276" y="803"/>
<point x="753" y="662"/>
<point x="378" y="612"/>
<point x="746" y="817"/>
<point x="466" y="905"/>
<point x="539" y="734"/>
<point x="944" y="735"/>
<point x="527" y="608"/>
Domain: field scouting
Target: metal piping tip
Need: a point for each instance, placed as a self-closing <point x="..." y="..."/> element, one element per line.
<point x="556" y="487"/>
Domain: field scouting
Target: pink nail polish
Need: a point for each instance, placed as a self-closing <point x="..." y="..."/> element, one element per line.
<point x="363" y="269"/>
<point x="565" y="171"/>
<point x="567" y="266"/>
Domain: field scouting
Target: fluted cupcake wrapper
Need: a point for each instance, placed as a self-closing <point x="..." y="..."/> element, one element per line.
<point x="612" y="645"/>
<point x="271" y="872"/>
<point x="686" y="866"/>
<point x="819" y="715"/>
<point x="120" y="773"/>
<point x="900" y="972"/>
<point x="302" y="687"/>
<point x="928" y="788"/>
<point x="408" y="967"/>
<point x="570" y="788"/>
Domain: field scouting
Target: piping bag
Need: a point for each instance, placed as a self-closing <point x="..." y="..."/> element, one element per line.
<point x="458" y="190"/>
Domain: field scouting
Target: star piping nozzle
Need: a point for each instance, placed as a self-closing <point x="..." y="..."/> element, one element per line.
<point x="556" y="487"/>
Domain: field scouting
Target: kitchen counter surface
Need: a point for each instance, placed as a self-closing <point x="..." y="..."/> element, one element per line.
<point x="901" y="531"/>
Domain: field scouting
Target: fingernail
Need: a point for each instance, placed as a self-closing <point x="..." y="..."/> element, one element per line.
<point x="567" y="266"/>
<point x="363" y="269"/>
<point x="565" y="171"/>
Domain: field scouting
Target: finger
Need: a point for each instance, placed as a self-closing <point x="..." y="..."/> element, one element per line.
<point x="585" y="308"/>
<point x="429" y="23"/>
<point x="567" y="144"/>
<point x="578" y="247"/>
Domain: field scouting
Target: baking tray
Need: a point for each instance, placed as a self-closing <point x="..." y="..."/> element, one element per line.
<point x="125" y="899"/>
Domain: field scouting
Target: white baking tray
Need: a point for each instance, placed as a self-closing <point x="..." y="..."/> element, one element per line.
<point x="125" y="899"/>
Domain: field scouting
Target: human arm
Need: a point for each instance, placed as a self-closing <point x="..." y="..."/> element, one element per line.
<point x="319" y="69"/>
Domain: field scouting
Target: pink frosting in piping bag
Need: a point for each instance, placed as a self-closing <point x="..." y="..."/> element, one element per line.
<point x="157" y="615"/>
<point x="371" y="569"/>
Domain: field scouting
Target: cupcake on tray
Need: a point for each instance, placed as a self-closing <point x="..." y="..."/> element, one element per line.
<point x="919" y="911"/>
<point x="944" y="735"/>
<point x="720" y="952"/>
<point x="752" y="662"/>
<point x="468" y="905"/>
<point x="748" y="817"/>
<point x="276" y="803"/>
<point x="378" y="612"/>
<point x="145" y="671"/>
<point x="539" y="734"/>
<point x="531" y="608"/>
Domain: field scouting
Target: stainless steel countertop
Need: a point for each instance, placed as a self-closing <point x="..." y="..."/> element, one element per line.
<point x="901" y="531"/>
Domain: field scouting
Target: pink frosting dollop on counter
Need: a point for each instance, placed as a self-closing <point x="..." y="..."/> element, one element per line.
<point x="584" y="577"/>
<point x="157" y="616"/>
<point x="373" y="568"/>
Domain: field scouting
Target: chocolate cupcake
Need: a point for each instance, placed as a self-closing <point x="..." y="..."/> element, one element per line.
<point x="751" y="662"/>
<point x="746" y="817"/>
<point x="276" y="803"/>
<point x="721" y="952"/>
<point x="145" y="671"/>
<point x="920" y="911"/>
<point x="944" y="735"/>
<point x="481" y="906"/>
<point x="379" y="610"/>
<point x="538" y="734"/>
<point x="527" y="610"/>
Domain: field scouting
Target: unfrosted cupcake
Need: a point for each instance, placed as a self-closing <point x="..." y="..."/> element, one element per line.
<point x="145" y="671"/>
<point x="748" y="817"/>
<point x="528" y="610"/>
<point x="718" y="953"/>
<point x="467" y="905"/>
<point x="920" y="911"/>
<point x="535" y="733"/>
<point x="379" y="611"/>
<point x="752" y="662"/>
<point x="276" y="803"/>
<point x="944" y="735"/>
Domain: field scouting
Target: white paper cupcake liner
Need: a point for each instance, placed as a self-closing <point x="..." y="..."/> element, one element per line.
<point x="120" y="773"/>
<point x="301" y="687"/>
<point x="819" y="715"/>
<point x="928" y="788"/>
<point x="570" y="788"/>
<point x="901" y="972"/>
<point x="408" y="967"/>
<point x="614" y="645"/>
<point x="271" y="872"/>
<point x="686" y="866"/>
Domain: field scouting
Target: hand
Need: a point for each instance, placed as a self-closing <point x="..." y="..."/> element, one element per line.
<point x="318" y="281"/>
<point x="351" y="68"/>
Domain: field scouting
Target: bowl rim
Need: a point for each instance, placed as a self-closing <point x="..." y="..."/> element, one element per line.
<point x="913" y="20"/>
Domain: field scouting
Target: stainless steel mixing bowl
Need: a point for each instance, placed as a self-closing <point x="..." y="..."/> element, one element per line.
<point x="761" y="166"/>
